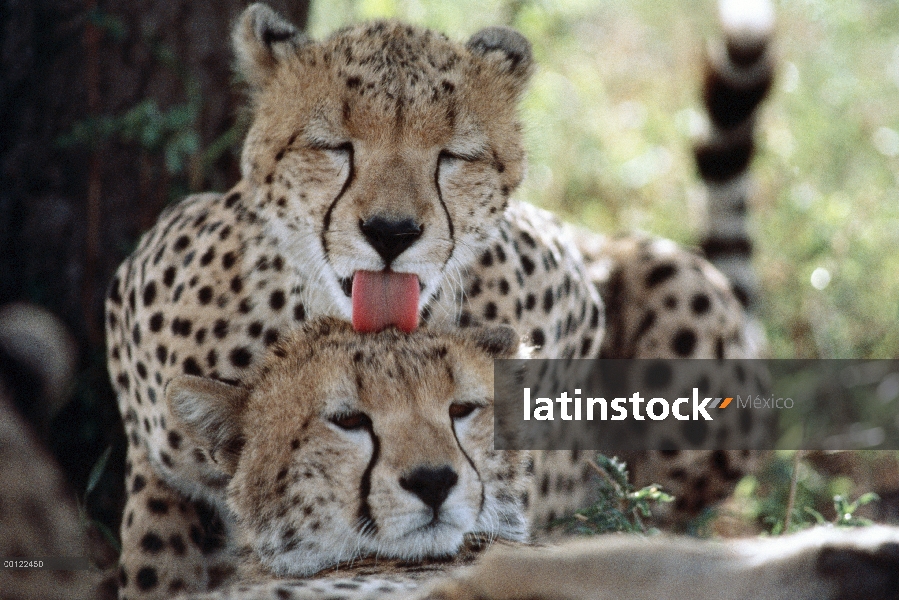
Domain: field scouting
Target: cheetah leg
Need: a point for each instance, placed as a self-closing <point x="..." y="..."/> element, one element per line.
<point x="819" y="563"/>
<point x="169" y="544"/>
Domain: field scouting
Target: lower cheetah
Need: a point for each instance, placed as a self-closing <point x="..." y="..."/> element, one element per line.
<point x="362" y="466"/>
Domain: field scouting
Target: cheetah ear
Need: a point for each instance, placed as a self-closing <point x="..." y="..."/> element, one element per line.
<point x="261" y="39"/>
<point x="500" y="341"/>
<point x="507" y="49"/>
<point x="210" y="413"/>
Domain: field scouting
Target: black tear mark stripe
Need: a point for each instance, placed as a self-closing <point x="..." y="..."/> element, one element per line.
<point x="449" y="220"/>
<point x="471" y="462"/>
<point x="326" y="222"/>
<point x="366" y="521"/>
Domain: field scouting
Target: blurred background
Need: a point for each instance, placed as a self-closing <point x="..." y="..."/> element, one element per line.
<point x="112" y="110"/>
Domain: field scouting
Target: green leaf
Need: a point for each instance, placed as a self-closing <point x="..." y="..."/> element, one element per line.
<point x="777" y="528"/>
<point x="819" y="518"/>
<point x="867" y="498"/>
<point x="109" y="535"/>
<point x="97" y="471"/>
<point x="179" y="117"/>
<point x="111" y="24"/>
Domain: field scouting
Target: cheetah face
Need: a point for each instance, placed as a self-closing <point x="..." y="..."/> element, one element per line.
<point x="383" y="150"/>
<point x="349" y="444"/>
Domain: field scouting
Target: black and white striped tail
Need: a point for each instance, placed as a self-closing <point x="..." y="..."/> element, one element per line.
<point x="738" y="76"/>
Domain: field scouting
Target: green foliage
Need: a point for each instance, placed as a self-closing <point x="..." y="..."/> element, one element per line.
<point x="169" y="132"/>
<point x="97" y="472"/>
<point x="620" y="507"/>
<point x="87" y="522"/>
<point x="845" y="511"/>
<point x="109" y="24"/>
<point x="765" y="497"/>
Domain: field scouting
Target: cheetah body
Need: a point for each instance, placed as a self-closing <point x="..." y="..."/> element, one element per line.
<point x="379" y="123"/>
<point x="417" y="477"/>
<point x="328" y="463"/>
<point x="39" y="519"/>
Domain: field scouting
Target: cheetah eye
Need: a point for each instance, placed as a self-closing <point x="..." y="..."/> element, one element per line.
<point x="460" y="410"/>
<point x="344" y="148"/>
<point x="351" y="420"/>
<point x="448" y="155"/>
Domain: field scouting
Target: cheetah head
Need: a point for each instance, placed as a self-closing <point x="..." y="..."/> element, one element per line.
<point x="344" y="445"/>
<point x="382" y="157"/>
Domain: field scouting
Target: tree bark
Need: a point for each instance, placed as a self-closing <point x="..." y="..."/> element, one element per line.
<point x="71" y="211"/>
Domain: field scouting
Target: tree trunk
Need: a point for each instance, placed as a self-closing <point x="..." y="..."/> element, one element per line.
<point x="109" y="111"/>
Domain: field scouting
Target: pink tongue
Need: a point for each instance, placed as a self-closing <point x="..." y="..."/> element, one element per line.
<point x="384" y="298"/>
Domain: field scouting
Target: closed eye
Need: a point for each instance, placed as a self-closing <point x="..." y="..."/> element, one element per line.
<point x="343" y="147"/>
<point x="351" y="421"/>
<point x="460" y="410"/>
<point x="463" y="156"/>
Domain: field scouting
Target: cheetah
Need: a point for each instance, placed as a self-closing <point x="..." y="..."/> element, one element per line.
<point x="39" y="520"/>
<point x="338" y="447"/>
<point x="377" y="182"/>
<point x="362" y="466"/>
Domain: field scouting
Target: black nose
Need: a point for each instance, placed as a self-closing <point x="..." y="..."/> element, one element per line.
<point x="430" y="484"/>
<point x="390" y="238"/>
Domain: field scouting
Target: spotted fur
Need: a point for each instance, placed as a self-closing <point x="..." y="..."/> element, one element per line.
<point x="322" y="447"/>
<point x="379" y="121"/>
<point x="339" y="447"/>
<point x="39" y="519"/>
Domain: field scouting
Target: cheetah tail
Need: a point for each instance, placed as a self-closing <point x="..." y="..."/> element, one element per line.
<point x="37" y="361"/>
<point x="739" y="73"/>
